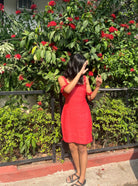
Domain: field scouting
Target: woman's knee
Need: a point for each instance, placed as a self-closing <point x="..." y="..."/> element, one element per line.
<point x="82" y="149"/>
<point x="73" y="147"/>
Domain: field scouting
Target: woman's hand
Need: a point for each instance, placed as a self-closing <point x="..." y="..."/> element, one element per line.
<point x="98" y="81"/>
<point x="83" y="70"/>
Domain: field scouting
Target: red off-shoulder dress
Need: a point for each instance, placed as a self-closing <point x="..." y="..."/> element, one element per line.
<point x="76" y="121"/>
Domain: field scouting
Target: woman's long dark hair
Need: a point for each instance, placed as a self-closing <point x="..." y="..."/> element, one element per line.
<point x="74" y="66"/>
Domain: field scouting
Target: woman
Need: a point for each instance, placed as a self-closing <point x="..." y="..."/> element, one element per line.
<point x="76" y="119"/>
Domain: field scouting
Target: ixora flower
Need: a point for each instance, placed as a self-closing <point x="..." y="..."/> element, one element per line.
<point x="85" y="40"/>
<point x="8" y="56"/>
<point x="76" y="18"/>
<point x="18" y="12"/>
<point x="39" y="103"/>
<point x="72" y="26"/>
<point x="112" y="29"/>
<point x="1" y="7"/>
<point x="66" y="0"/>
<point x="17" y="56"/>
<point x="109" y="36"/>
<point x="99" y="55"/>
<point x="13" y="36"/>
<point x="52" y="23"/>
<point x="63" y="59"/>
<point x="131" y="21"/>
<point x="132" y="70"/>
<point x="29" y="84"/>
<point x="52" y="3"/>
<point x="44" y="43"/>
<point x="33" y="6"/>
<point x="4" y="64"/>
<point x="124" y="25"/>
<point x="113" y="15"/>
<point x="90" y="73"/>
<point x="129" y="33"/>
<point x="21" y="78"/>
<point x="54" y="48"/>
<point x="50" y="11"/>
<point x="70" y="19"/>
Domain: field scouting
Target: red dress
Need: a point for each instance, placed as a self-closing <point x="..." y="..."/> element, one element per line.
<point x="76" y="121"/>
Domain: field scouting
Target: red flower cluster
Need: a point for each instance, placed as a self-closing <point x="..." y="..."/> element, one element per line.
<point x="29" y="84"/>
<point x="76" y="18"/>
<point x="112" y="29"/>
<point x="89" y="3"/>
<point x="44" y="42"/>
<point x="52" y="23"/>
<point x="8" y="56"/>
<point x="12" y="36"/>
<point x="52" y="3"/>
<point x="17" y="56"/>
<point x="4" y="64"/>
<point x="54" y="48"/>
<point x="63" y="59"/>
<point x="124" y="25"/>
<point x="90" y="73"/>
<point x="85" y="40"/>
<point x="129" y="33"/>
<point x="109" y="36"/>
<point x="39" y="103"/>
<point x="70" y="19"/>
<point x="131" y="21"/>
<point x="50" y="11"/>
<point x="21" y="78"/>
<point x="99" y="55"/>
<point x="33" y="6"/>
<point x="18" y="12"/>
<point x="132" y="70"/>
<point x="1" y="7"/>
<point x="113" y="15"/>
<point x="72" y="26"/>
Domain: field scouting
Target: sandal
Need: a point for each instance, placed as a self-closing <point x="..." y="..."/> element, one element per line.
<point x="80" y="184"/>
<point x="72" y="179"/>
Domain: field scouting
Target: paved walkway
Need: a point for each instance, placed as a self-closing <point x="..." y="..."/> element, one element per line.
<point x="105" y="169"/>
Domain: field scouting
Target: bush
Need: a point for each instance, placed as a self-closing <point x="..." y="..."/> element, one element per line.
<point x="114" y="122"/>
<point x="26" y="135"/>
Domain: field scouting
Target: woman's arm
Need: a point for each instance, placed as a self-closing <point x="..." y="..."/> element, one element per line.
<point x="88" y="88"/>
<point x="72" y="84"/>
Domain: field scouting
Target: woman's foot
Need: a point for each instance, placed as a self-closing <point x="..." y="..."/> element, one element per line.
<point x="72" y="178"/>
<point x="78" y="183"/>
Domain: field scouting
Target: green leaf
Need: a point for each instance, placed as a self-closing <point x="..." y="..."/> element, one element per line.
<point x="34" y="49"/>
<point x="48" y="56"/>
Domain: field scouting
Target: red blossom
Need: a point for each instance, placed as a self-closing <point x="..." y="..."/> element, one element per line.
<point x="70" y="19"/>
<point x="112" y="29"/>
<point x="76" y="18"/>
<point x="33" y="15"/>
<point x="69" y="54"/>
<point x="52" y="3"/>
<point x="17" y="56"/>
<point x="72" y="26"/>
<point x="99" y="55"/>
<point x="50" y="11"/>
<point x="51" y="44"/>
<point x="63" y="59"/>
<point x="18" y="12"/>
<point x="90" y="73"/>
<point x="61" y="23"/>
<point x="60" y="15"/>
<point x="85" y="40"/>
<point x="124" y="25"/>
<point x="12" y="36"/>
<point x="2" y="72"/>
<point x="40" y="109"/>
<point x="66" y="0"/>
<point x="52" y="23"/>
<point x="21" y="78"/>
<point x="131" y="21"/>
<point x="33" y="6"/>
<point x="29" y="84"/>
<point x="39" y="103"/>
<point x="129" y="33"/>
<point x="109" y="36"/>
<point x="54" y="48"/>
<point x="113" y="15"/>
<point x="104" y="66"/>
<point x="44" y="42"/>
<point x="89" y="3"/>
<point x="132" y="70"/>
<point x="5" y="64"/>
<point x="1" y="7"/>
<point x="8" y="56"/>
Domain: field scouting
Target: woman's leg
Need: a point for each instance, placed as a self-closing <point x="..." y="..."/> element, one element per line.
<point x="83" y="158"/>
<point x="75" y="156"/>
